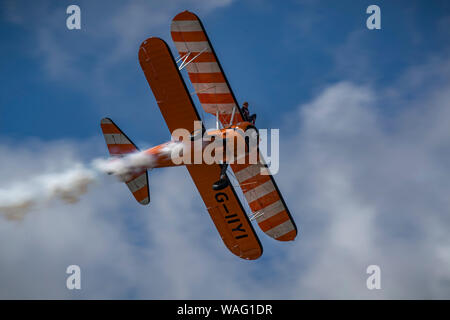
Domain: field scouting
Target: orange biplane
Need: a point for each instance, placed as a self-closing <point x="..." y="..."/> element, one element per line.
<point x="162" y="71"/>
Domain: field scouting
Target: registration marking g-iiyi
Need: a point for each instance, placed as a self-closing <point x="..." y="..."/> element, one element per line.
<point x="231" y="218"/>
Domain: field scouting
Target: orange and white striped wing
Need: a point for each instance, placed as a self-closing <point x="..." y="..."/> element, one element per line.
<point x="119" y="145"/>
<point x="203" y="67"/>
<point x="214" y="93"/>
<point x="265" y="200"/>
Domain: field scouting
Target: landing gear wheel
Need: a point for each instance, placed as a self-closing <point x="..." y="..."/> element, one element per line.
<point x="220" y="184"/>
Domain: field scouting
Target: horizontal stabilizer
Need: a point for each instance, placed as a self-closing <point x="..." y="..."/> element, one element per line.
<point x="119" y="145"/>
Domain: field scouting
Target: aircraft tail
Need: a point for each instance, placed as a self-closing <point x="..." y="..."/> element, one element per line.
<point x="119" y="145"/>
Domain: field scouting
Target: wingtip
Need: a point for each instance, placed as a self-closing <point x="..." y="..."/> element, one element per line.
<point x="290" y="236"/>
<point x="106" y="120"/>
<point x="185" y="15"/>
<point x="150" y="41"/>
<point x="145" y="202"/>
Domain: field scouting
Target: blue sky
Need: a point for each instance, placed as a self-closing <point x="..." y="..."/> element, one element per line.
<point x="276" y="56"/>
<point x="364" y="152"/>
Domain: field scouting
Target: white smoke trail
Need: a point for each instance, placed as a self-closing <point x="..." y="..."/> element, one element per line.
<point x="124" y="167"/>
<point x="36" y="191"/>
<point x="41" y="190"/>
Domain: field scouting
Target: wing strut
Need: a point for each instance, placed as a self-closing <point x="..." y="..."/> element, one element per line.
<point x="185" y="57"/>
<point x="217" y="119"/>
<point x="232" y="115"/>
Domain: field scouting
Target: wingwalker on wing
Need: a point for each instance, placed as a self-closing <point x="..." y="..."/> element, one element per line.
<point x="211" y="178"/>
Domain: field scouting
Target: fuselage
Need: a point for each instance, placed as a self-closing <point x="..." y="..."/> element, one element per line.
<point x="220" y="145"/>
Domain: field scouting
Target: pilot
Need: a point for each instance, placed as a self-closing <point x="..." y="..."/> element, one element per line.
<point x="246" y="113"/>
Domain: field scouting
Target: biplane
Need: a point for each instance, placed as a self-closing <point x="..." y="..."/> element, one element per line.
<point x="162" y="71"/>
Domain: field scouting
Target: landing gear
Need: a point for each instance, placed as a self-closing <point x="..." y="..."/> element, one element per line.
<point x="223" y="182"/>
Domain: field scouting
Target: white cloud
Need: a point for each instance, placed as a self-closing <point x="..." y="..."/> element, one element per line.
<point x="110" y="33"/>
<point x="361" y="195"/>
<point x="169" y="249"/>
<point x="373" y="192"/>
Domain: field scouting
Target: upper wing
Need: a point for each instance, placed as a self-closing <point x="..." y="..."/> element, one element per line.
<point x="203" y="67"/>
<point x="214" y="93"/>
<point x="178" y="110"/>
<point x="167" y="85"/>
